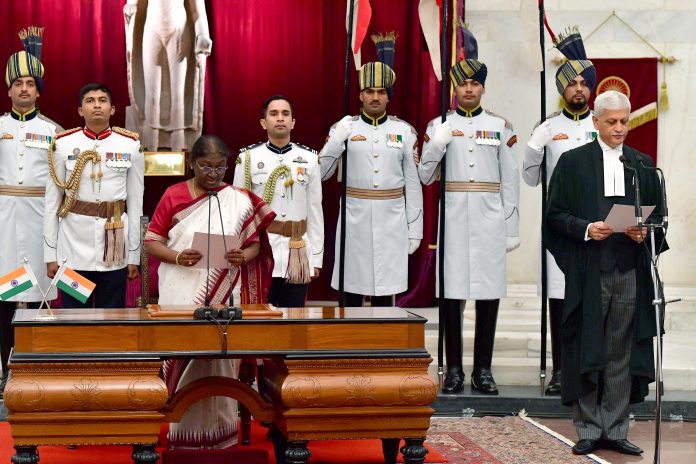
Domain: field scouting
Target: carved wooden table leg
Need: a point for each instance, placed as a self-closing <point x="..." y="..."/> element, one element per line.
<point x="297" y="452"/>
<point x="145" y="454"/>
<point x="414" y="452"/>
<point x="390" y="449"/>
<point x="280" y="444"/>
<point x="25" y="455"/>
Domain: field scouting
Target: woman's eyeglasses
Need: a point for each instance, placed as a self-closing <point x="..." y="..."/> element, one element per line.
<point x="208" y="170"/>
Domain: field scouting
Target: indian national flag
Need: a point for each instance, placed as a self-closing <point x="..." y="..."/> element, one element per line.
<point x="74" y="284"/>
<point x="16" y="282"/>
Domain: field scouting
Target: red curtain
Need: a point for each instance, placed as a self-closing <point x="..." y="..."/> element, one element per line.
<point x="260" y="48"/>
<point x="636" y="77"/>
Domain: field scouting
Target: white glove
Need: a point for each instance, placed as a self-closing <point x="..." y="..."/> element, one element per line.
<point x="511" y="243"/>
<point x="541" y="136"/>
<point x="343" y="129"/>
<point x="413" y="244"/>
<point x="443" y="135"/>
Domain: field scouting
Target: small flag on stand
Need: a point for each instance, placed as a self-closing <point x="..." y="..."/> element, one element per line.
<point x="16" y="282"/>
<point x="72" y="283"/>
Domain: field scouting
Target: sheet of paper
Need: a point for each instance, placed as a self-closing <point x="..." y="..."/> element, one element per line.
<point x="622" y="217"/>
<point x="217" y="249"/>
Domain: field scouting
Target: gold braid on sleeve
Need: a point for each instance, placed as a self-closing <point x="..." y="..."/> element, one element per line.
<point x="73" y="182"/>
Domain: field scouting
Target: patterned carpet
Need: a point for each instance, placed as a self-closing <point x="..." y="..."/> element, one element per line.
<point x="500" y="440"/>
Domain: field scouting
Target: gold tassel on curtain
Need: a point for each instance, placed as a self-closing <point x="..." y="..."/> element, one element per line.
<point x="664" y="99"/>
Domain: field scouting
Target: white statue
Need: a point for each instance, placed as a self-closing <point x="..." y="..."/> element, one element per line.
<point x="167" y="43"/>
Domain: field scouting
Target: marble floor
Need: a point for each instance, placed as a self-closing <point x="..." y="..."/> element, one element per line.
<point x="678" y="445"/>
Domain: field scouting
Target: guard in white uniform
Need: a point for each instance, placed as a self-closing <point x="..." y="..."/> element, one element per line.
<point x="287" y="176"/>
<point x="562" y="131"/>
<point x="384" y="206"/>
<point x="481" y="217"/>
<point x="25" y="135"/>
<point x="94" y="201"/>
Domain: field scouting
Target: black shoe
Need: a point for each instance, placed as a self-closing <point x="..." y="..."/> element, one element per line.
<point x="585" y="446"/>
<point x="554" y="386"/>
<point x="623" y="446"/>
<point x="482" y="380"/>
<point x="454" y="381"/>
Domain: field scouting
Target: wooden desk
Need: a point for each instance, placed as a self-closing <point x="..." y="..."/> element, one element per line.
<point x="94" y="377"/>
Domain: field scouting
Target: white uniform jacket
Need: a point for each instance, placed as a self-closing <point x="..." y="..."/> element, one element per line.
<point x="299" y="201"/>
<point x="569" y="131"/>
<point x="477" y="223"/>
<point x="381" y="156"/>
<point x="23" y="163"/>
<point x="79" y="239"/>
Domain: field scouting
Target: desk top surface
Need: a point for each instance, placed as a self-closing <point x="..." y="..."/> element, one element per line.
<point x="138" y="316"/>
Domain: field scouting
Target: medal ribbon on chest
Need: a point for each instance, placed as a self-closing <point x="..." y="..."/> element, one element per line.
<point x="488" y="138"/>
<point x="37" y="140"/>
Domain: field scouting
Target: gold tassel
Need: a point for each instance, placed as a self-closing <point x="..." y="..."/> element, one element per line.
<point x="109" y="243"/>
<point x="119" y="245"/>
<point x="298" y="264"/>
<point x="664" y="99"/>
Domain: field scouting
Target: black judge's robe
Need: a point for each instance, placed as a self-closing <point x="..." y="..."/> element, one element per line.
<point x="573" y="202"/>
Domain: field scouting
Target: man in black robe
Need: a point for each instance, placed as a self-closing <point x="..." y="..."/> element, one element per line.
<point x="608" y="320"/>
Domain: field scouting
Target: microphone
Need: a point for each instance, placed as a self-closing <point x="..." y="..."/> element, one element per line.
<point x="661" y="176"/>
<point x="639" y="211"/>
<point x="206" y="311"/>
<point x="232" y="311"/>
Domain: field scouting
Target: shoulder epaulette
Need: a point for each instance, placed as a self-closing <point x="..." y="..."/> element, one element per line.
<point x="59" y="128"/>
<point x="249" y="147"/>
<point x="507" y="123"/>
<point x="550" y="116"/>
<point x="126" y="133"/>
<point x="395" y="118"/>
<point x="67" y="132"/>
<point x="305" y="147"/>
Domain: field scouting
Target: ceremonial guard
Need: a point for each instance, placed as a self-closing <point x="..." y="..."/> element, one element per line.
<point x="384" y="205"/>
<point x="94" y="201"/>
<point x="25" y="135"/>
<point x="286" y="176"/>
<point x="481" y="218"/>
<point x="562" y="131"/>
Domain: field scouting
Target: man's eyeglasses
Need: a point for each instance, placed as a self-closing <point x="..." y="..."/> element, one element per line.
<point x="208" y="170"/>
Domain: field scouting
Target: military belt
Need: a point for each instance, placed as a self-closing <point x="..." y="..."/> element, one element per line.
<point x="367" y="194"/>
<point x="292" y="229"/>
<point x="103" y="209"/>
<point x="16" y="191"/>
<point x="454" y="186"/>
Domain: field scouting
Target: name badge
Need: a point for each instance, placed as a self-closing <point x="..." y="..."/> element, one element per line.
<point x="488" y="138"/>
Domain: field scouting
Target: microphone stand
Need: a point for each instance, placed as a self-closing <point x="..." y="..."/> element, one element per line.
<point x="658" y="302"/>
<point x="231" y="312"/>
<point x="206" y="311"/>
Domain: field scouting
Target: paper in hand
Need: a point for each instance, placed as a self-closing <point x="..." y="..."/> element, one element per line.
<point x="621" y="217"/>
<point x="217" y="249"/>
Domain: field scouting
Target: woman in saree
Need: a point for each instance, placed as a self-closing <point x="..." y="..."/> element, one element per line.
<point x="182" y="211"/>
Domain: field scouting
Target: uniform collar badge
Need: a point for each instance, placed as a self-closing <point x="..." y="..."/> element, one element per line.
<point x="94" y="136"/>
<point x="279" y="150"/>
